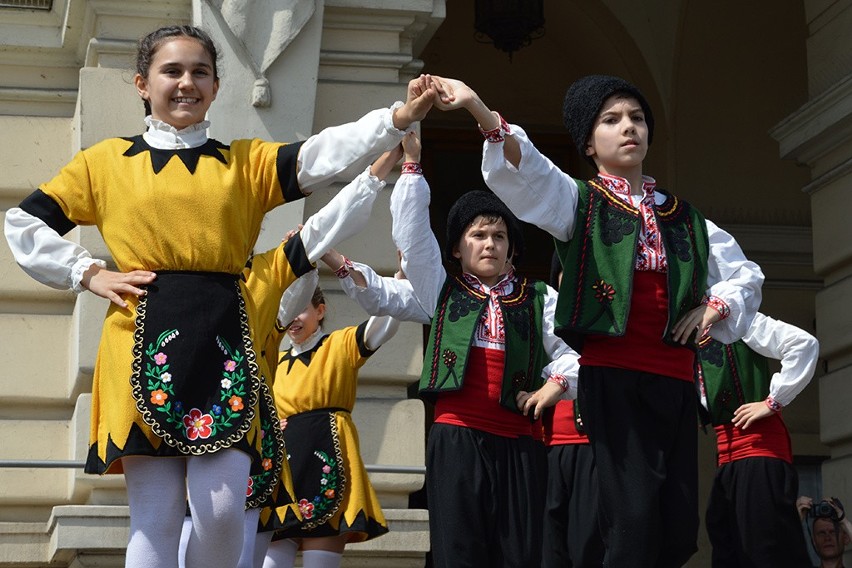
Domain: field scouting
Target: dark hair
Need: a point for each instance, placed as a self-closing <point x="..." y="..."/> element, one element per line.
<point x="317" y="300"/>
<point x="148" y="46"/>
<point x="318" y="297"/>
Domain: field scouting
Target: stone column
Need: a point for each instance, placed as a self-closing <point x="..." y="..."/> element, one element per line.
<point x="818" y="136"/>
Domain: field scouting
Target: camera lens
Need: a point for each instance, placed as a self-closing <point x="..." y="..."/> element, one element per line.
<point x="823" y="509"/>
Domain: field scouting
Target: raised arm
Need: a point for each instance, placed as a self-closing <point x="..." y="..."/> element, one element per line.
<point x="348" y="212"/>
<point x="339" y="152"/>
<point x="412" y="233"/>
<point x="377" y="295"/>
<point x="379" y="330"/>
<point x="530" y="185"/>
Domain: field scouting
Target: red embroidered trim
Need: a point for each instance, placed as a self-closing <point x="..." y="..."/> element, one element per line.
<point x="560" y="380"/>
<point x="412" y="168"/>
<point x="773" y="404"/>
<point x="717" y="304"/>
<point x="497" y="134"/>
<point x="345" y="268"/>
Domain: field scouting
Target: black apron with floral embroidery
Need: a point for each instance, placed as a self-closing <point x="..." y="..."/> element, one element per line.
<point x="272" y="455"/>
<point x="194" y="375"/>
<point x="316" y="462"/>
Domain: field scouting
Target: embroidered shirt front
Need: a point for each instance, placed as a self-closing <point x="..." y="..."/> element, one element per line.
<point x="650" y="254"/>
<point x="491" y="332"/>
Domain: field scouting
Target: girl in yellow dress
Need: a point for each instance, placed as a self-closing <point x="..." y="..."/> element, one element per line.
<point x="314" y="391"/>
<point x="176" y="374"/>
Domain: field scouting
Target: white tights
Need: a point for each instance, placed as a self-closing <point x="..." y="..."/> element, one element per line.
<point x="281" y="554"/>
<point x="157" y="490"/>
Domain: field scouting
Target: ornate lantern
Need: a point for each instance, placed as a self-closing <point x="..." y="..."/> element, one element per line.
<point x="509" y="24"/>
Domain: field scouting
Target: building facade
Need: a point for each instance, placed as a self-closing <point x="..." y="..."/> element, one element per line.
<point x="753" y="106"/>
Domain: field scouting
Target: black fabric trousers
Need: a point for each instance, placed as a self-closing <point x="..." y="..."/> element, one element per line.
<point x="751" y="517"/>
<point x="571" y="535"/>
<point x="643" y="431"/>
<point x="486" y="498"/>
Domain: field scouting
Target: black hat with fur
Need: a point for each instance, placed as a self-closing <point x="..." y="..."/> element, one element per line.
<point x="583" y="103"/>
<point x="470" y="206"/>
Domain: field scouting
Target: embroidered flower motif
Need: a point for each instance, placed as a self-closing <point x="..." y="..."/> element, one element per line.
<point x="307" y="508"/>
<point x="166" y="377"/>
<point x="178" y="407"/>
<point x="236" y="403"/>
<point x="250" y="488"/>
<point x="323" y="481"/>
<point x="326" y="469"/>
<point x="266" y="464"/>
<point x="329" y="493"/>
<point x="160" y="358"/>
<point x="615" y="228"/>
<point x="226" y="384"/>
<point x="198" y="425"/>
<point x="604" y="293"/>
<point x="230" y="365"/>
<point x="158" y="397"/>
<point x="217" y="410"/>
<point x="449" y="358"/>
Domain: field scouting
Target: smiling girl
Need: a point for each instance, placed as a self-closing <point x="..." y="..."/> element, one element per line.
<point x="176" y="374"/>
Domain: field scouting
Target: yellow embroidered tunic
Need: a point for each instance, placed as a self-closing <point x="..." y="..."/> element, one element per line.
<point x="197" y="210"/>
<point x="315" y="391"/>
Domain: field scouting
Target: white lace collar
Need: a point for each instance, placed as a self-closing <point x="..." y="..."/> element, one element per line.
<point x="164" y="136"/>
<point x="307" y="344"/>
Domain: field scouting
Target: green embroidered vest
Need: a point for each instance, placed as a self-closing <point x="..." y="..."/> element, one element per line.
<point x="733" y="375"/>
<point x="599" y="260"/>
<point x="459" y="310"/>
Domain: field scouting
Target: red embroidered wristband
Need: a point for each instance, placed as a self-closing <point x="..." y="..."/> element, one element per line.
<point x="344" y="269"/>
<point x="497" y="134"/>
<point x="559" y="380"/>
<point x="773" y="404"/>
<point x="717" y="304"/>
<point x="412" y="168"/>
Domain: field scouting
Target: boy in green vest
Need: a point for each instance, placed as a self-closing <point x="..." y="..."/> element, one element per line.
<point x="644" y="275"/>
<point x="491" y="347"/>
<point x="751" y="516"/>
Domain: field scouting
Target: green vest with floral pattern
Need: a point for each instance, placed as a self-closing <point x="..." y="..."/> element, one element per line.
<point x="459" y="310"/>
<point x="599" y="260"/>
<point x="732" y="375"/>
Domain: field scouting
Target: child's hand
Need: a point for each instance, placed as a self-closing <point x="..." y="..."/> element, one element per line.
<point x="459" y="95"/>
<point x="748" y="414"/>
<point x="696" y="320"/>
<point x="282" y="423"/>
<point x="421" y="95"/>
<point x="291" y="233"/>
<point x="385" y="163"/>
<point x="112" y="285"/>
<point x="548" y="395"/>
<point x="411" y="147"/>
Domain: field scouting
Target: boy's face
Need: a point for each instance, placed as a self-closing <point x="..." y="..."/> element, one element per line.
<point x="483" y="249"/>
<point x="619" y="139"/>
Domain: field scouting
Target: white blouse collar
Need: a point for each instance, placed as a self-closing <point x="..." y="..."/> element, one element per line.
<point x="307" y="344"/>
<point x="164" y="136"/>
